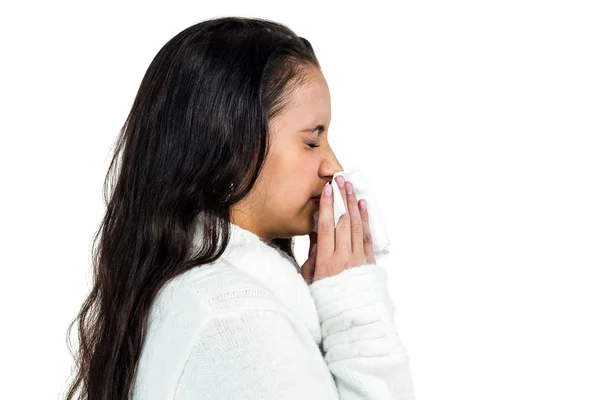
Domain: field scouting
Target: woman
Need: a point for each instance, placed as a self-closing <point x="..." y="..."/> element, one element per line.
<point x="197" y="294"/>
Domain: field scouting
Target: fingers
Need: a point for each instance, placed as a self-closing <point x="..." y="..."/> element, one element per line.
<point x="352" y="237"/>
<point x="343" y="234"/>
<point x="367" y="237"/>
<point x="356" y="228"/>
<point x="326" y="243"/>
<point x="308" y="269"/>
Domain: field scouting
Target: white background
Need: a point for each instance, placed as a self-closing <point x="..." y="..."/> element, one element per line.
<point x="478" y="120"/>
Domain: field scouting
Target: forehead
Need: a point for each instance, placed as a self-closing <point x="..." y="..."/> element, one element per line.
<point x="310" y="103"/>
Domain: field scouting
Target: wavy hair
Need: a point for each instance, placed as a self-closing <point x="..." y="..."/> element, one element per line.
<point x="195" y="141"/>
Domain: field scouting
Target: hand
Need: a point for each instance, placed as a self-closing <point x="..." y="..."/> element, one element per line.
<point x="335" y="249"/>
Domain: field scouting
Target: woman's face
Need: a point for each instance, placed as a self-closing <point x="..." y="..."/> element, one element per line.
<point x="279" y="205"/>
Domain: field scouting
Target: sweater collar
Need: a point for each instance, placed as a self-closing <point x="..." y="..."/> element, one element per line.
<point x="273" y="268"/>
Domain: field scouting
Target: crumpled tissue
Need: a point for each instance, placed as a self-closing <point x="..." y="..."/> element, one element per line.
<point x="363" y="190"/>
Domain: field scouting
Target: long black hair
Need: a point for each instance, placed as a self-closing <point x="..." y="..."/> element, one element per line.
<point x="194" y="142"/>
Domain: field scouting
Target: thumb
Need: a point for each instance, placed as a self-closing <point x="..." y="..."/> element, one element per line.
<point x="312" y="251"/>
<point x="308" y="268"/>
<point x="313" y="236"/>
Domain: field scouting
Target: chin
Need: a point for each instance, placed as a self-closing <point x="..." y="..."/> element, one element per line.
<point x="300" y="227"/>
<point x="308" y="225"/>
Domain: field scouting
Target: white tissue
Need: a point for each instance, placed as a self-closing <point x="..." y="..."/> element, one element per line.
<point x="361" y="187"/>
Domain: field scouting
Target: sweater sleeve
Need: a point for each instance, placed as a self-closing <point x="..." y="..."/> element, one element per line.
<point x="254" y="354"/>
<point x="360" y="339"/>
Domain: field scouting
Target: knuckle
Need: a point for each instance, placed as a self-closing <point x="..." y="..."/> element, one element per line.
<point x="326" y="227"/>
<point x="344" y="219"/>
<point x="344" y="263"/>
<point x="368" y="238"/>
<point x="356" y="227"/>
<point x="341" y="261"/>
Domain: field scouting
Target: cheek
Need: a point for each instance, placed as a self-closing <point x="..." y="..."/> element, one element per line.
<point x="293" y="179"/>
<point x="291" y="193"/>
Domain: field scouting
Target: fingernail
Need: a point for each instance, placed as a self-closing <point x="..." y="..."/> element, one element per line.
<point x="328" y="190"/>
<point x="348" y="187"/>
<point x="340" y="181"/>
<point x="363" y="205"/>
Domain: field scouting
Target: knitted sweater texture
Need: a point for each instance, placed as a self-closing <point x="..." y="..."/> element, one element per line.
<point x="247" y="326"/>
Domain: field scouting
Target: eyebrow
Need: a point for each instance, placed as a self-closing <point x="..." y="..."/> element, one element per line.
<point x="319" y="128"/>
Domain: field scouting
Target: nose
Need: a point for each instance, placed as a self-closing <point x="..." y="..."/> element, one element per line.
<point x="330" y="166"/>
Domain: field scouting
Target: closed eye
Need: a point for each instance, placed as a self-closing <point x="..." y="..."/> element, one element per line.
<point x="313" y="144"/>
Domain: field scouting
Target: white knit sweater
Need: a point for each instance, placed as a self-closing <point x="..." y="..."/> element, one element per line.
<point x="247" y="326"/>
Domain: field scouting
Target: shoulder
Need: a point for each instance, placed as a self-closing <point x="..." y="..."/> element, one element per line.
<point x="212" y="289"/>
<point x="189" y="302"/>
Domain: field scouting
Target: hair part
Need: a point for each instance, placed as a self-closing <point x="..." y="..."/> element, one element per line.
<point x="198" y="124"/>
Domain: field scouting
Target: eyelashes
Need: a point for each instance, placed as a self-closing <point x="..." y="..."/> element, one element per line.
<point x="313" y="144"/>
